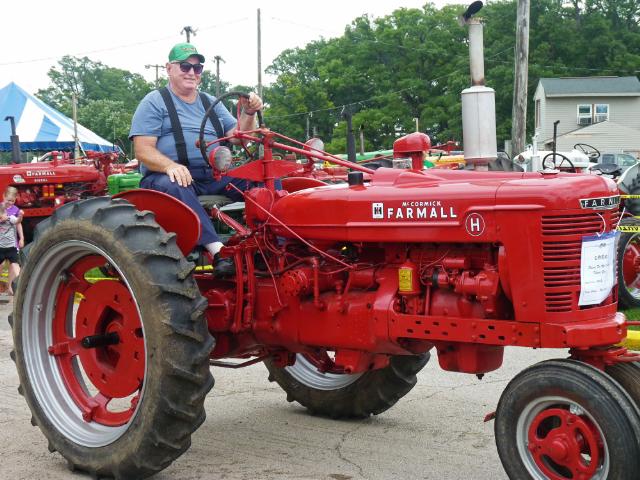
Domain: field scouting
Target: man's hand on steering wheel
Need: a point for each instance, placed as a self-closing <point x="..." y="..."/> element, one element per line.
<point x="179" y="173"/>
<point x="253" y="104"/>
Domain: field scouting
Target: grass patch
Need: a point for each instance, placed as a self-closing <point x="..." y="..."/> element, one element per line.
<point x="633" y="315"/>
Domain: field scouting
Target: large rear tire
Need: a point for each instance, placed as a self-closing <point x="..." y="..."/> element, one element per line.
<point x="115" y="371"/>
<point x="563" y="419"/>
<point x="629" y="266"/>
<point x="348" y="396"/>
<point x="632" y="205"/>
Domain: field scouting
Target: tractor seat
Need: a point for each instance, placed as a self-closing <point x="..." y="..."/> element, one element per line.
<point x="608" y="168"/>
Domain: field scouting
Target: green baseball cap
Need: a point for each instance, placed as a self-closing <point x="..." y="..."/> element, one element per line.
<point x="182" y="51"/>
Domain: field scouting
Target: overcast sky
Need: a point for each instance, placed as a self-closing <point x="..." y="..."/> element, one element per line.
<point x="130" y="34"/>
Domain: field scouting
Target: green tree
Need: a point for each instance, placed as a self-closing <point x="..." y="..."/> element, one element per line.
<point x="103" y="92"/>
<point x="111" y="117"/>
<point x="414" y="63"/>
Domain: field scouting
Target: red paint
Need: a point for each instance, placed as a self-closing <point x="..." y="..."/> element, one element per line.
<point x="493" y="258"/>
<point x="568" y="440"/>
<point x="171" y="214"/>
<point x="116" y="371"/>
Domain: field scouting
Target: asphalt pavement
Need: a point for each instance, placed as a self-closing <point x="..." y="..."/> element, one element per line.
<point x="251" y="432"/>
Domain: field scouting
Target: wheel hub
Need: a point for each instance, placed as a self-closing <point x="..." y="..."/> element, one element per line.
<point x="99" y="348"/>
<point x="108" y="312"/>
<point x="564" y="445"/>
<point x="631" y="264"/>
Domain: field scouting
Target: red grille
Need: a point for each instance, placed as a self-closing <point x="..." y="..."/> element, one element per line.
<point x="561" y="247"/>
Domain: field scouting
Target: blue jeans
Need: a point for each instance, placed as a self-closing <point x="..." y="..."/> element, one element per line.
<point x="203" y="184"/>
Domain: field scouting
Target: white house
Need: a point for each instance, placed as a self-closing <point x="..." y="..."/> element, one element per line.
<point x="600" y="111"/>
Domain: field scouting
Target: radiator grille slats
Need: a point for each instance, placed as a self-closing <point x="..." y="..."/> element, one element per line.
<point x="561" y="250"/>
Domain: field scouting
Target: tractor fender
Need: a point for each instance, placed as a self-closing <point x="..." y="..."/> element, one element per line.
<point x="171" y="214"/>
<point x="293" y="184"/>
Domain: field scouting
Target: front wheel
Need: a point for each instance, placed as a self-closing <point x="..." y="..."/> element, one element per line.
<point x="563" y="419"/>
<point x="110" y="342"/>
<point x="340" y="395"/>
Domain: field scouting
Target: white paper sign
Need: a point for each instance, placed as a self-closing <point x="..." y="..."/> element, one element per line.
<point x="597" y="268"/>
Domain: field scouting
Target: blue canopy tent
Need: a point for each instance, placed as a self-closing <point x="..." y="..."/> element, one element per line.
<point x="41" y="127"/>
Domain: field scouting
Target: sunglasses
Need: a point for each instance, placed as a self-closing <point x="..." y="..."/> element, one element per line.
<point x="186" y="66"/>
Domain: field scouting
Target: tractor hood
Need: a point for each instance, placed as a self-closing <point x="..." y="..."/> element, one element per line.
<point x="446" y="205"/>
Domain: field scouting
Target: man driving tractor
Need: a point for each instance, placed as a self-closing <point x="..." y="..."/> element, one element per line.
<point x="164" y="131"/>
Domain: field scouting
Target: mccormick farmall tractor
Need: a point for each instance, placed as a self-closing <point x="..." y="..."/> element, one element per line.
<point x="343" y="291"/>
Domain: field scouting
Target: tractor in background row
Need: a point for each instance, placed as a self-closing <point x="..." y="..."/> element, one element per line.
<point x="57" y="179"/>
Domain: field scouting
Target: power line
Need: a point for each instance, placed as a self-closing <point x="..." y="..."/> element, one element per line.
<point x="560" y="67"/>
<point x="118" y="47"/>
<point x="382" y="95"/>
<point x="353" y="35"/>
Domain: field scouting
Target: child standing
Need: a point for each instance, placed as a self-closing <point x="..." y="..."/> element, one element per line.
<point x="9" y="198"/>
<point x="8" y="249"/>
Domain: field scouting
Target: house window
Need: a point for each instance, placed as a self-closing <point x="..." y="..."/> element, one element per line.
<point x="584" y="114"/>
<point x="592" y="113"/>
<point x="537" y="113"/>
<point x="601" y="113"/>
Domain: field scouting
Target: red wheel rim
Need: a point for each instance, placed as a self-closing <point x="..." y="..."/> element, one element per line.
<point x="96" y="377"/>
<point x="631" y="264"/>
<point x="564" y="445"/>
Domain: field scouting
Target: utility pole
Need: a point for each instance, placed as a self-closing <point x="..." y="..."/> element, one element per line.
<point x="74" y="105"/>
<point x="519" y="111"/>
<point x="188" y="31"/>
<point x="157" y="67"/>
<point x="362" y="139"/>
<point x="259" y="57"/>
<point x="218" y="59"/>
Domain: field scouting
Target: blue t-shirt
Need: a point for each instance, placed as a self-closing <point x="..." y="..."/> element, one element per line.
<point x="151" y="119"/>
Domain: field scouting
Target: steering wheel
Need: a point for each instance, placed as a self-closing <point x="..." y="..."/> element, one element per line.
<point x="555" y="163"/>
<point x="202" y="144"/>
<point x="592" y="152"/>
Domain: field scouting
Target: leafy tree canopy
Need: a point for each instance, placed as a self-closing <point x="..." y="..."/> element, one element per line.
<point x="414" y="63"/>
<point x="389" y="71"/>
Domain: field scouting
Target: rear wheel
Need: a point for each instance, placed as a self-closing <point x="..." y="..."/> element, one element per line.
<point x="339" y="395"/>
<point x="632" y="205"/>
<point x="113" y="367"/>
<point x="629" y="266"/>
<point x="627" y="375"/>
<point x="563" y="419"/>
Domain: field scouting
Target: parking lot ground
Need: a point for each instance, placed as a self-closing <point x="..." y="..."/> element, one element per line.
<point x="251" y="432"/>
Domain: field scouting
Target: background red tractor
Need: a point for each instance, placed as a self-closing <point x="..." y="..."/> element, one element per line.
<point x="342" y="291"/>
<point x="57" y="179"/>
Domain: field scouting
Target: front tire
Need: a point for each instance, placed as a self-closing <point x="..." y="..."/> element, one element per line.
<point x="563" y="419"/>
<point x="338" y="395"/>
<point x="117" y="382"/>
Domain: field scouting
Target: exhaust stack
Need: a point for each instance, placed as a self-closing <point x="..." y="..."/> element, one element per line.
<point x="478" y="101"/>
<point x="15" y="141"/>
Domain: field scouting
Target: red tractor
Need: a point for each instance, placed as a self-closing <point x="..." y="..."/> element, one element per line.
<point x="342" y="291"/>
<point x="55" y="180"/>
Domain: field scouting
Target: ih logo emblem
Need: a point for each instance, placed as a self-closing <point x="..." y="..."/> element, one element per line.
<point x="378" y="210"/>
<point x="474" y="224"/>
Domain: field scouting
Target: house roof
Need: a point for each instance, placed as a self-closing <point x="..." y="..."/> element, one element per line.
<point x="590" y="86"/>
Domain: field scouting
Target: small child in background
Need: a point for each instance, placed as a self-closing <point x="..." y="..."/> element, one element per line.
<point x="9" y="199"/>
<point x="8" y="245"/>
